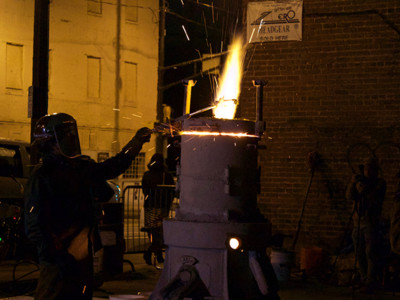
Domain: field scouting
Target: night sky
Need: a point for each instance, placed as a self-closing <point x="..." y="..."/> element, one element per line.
<point x="210" y="26"/>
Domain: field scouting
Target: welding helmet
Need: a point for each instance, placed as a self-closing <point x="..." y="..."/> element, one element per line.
<point x="61" y="129"/>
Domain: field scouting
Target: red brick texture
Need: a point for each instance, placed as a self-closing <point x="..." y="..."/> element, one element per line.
<point x="337" y="93"/>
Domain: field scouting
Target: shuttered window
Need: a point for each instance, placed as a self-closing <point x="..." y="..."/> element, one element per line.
<point x="130" y="84"/>
<point x="14" y="66"/>
<point x="131" y="11"/>
<point x="93" y="77"/>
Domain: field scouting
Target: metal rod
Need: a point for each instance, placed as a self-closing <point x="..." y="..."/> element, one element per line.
<point x="260" y="124"/>
<point x="259" y="84"/>
<point x="188" y="95"/>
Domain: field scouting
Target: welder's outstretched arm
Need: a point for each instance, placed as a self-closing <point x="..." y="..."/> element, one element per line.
<point x="116" y="165"/>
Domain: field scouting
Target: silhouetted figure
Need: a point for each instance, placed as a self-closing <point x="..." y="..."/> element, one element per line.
<point x="157" y="204"/>
<point x="60" y="206"/>
<point x="367" y="191"/>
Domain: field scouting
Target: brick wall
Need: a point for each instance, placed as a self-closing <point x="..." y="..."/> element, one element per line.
<point x="337" y="93"/>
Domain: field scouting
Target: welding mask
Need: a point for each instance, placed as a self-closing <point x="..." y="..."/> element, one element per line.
<point x="60" y="128"/>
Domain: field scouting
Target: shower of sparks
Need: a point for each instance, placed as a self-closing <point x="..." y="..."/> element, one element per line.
<point x="151" y="149"/>
<point x="259" y="27"/>
<point x="216" y="81"/>
<point x="137" y="116"/>
<point x="209" y="133"/>
<point x="182" y="3"/>
<point x="116" y="109"/>
<point x="166" y="128"/>
<point x="188" y="140"/>
<point x="184" y="29"/>
<point x="251" y="37"/>
<point x="229" y="88"/>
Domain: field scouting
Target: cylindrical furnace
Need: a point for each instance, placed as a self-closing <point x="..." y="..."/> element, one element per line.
<point x="218" y="180"/>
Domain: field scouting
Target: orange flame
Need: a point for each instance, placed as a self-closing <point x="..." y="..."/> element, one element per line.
<point x="213" y="133"/>
<point x="229" y="88"/>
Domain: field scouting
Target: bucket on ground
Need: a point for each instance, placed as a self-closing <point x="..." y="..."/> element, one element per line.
<point x="282" y="261"/>
<point x="311" y="260"/>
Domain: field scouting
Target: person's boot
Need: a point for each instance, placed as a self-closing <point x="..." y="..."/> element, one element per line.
<point x="147" y="258"/>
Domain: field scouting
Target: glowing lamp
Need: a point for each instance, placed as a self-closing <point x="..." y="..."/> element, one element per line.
<point x="234" y="243"/>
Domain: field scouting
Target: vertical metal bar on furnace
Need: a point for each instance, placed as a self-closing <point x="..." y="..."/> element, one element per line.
<point x="188" y="95"/>
<point x="259" y="84"/>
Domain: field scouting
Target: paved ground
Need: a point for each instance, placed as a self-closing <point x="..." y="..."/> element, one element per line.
<point x="17" y="281"/>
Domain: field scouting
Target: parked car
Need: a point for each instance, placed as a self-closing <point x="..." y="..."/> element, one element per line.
<point x="14" y="171"/>
<point x="14" y="174"/>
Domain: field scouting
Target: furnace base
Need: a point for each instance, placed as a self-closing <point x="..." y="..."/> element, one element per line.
<point x="199" y="264"/>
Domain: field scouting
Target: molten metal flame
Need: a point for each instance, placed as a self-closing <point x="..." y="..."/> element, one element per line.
<point x="214" y="133"/>
<point x="229" y="88"/>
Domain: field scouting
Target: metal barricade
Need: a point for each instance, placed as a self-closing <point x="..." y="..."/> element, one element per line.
<point x="161" y="200"/>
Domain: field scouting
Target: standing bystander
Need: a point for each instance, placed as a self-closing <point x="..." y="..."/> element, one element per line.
<point x="157" y="204"/>
<point x="395" y="221"/>
<point x="367" y="191"/>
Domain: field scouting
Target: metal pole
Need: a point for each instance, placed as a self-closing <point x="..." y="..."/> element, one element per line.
<point x="161" y="58"/>
<point x="40" y="71"/>
<point x="188" y="96"/>
<point x="260" y="124"/>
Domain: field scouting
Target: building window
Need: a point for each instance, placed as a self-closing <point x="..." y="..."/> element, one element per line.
<point x="137" y="168"/>
<point x="14" y="65"/>
<point x="94" y="7"/>
<point x="131" y="11"/>
<point x="93" y="77"/>
<point x="130" y="84"/>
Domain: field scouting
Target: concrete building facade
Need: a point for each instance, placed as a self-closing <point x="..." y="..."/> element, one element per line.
<point x="103" y="63"/>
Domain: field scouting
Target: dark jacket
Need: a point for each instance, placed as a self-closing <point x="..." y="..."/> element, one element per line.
<point x="368" y="204"/>
<point x="60" y="200"/>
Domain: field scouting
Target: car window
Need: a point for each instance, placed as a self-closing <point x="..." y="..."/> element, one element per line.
<point x="10" y="161"/>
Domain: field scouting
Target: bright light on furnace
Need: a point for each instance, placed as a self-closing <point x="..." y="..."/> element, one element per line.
<point x="234" y="243"/>
<point x="229" y="85"/>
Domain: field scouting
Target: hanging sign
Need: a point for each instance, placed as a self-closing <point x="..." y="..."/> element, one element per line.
<point x="273" y="21"/>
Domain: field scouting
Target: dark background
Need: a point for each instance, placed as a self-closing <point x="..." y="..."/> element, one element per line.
<point x="210" y="26"/>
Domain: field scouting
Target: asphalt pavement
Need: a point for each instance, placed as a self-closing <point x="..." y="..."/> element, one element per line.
<point x="18" y="280"/>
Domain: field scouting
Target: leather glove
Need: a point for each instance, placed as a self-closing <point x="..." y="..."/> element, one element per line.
<point x="143" y="135"/>
<point x="135" y="144"/>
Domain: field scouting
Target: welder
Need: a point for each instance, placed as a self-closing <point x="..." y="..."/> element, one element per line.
<point x="60" y="200"/>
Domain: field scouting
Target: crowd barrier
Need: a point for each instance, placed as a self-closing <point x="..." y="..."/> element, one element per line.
<point x="160" y="202"/>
